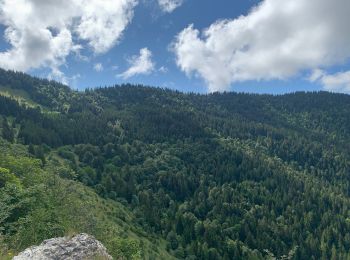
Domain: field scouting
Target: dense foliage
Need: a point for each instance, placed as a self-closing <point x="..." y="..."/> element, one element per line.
<point x="219" y="176"/>
<point x="36" y="203"/>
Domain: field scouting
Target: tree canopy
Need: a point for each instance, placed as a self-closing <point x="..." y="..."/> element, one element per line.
<point x="215" y="176"/>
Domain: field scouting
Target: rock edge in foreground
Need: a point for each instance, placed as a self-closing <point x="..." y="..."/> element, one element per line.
<point x="79" y="247"/>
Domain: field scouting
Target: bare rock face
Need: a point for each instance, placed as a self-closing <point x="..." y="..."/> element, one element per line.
<point x="79" y="247"/>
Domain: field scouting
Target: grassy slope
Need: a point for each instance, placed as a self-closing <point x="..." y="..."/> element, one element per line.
<point x="19" y="95"/>
<point x="108" y="220"/>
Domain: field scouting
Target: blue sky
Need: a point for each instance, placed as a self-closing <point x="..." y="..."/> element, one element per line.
<point x="174" y="55"/>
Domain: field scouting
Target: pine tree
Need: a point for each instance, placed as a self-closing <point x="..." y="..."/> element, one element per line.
<point x="7" y="131"/>
<point x="40" y="154"/>
<point x="334" y="253"/>
<point x="31" y="149"/>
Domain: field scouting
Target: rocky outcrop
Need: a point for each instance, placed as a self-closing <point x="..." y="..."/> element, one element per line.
<point x="79" y="247"/>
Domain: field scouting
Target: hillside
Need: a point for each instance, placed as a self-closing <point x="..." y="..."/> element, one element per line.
<point x="217" y="176"/>
<point x="37" y="203"/>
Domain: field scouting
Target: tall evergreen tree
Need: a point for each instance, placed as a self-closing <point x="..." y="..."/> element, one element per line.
<point x="31" y="149"/>
<point x="40" y="154"/>
<point x="7" y="131"/>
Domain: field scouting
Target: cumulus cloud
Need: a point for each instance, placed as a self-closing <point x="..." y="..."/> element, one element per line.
<point x="169" y="6"/>
<point x="141" y="64"/>
<point x="98" y="67"/>
<point x="42" y="33"/>
<point x="163" y="69"/>
<point x="103" y="21"/>
<point x="276" y="40"/>
<point x="338" y="82"/>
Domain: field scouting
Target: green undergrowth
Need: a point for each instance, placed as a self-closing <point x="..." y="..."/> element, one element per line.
<point x="37" y="204"/>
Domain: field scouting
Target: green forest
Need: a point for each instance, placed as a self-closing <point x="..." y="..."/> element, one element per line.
<point x="160" y="174"/>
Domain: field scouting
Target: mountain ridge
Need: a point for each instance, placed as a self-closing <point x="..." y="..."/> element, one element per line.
<point x="218" y="176"/>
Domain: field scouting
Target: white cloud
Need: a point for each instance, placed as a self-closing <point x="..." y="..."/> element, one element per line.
<point x="276" y="40"/>
<point x="316" y="75"/>
<point x="163" y="69"/>
<point x="103" y="21"/>
<point x="58" y="75"/>
<point x="141" y="64"/>
<point x="169" y="6"/>
<point x="98" y="67"/>
<point x="42" y="33"/>
<point x="338" y="82"/>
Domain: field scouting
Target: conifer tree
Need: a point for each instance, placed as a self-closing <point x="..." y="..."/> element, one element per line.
<point x="7" y="131"/>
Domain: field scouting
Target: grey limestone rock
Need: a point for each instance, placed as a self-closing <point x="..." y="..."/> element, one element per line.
<point x="79" y="247"/>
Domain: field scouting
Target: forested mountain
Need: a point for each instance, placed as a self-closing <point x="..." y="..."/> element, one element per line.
<point x="216" y="176"/>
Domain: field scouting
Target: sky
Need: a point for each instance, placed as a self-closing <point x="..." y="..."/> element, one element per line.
<point x="258" y="46"/>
